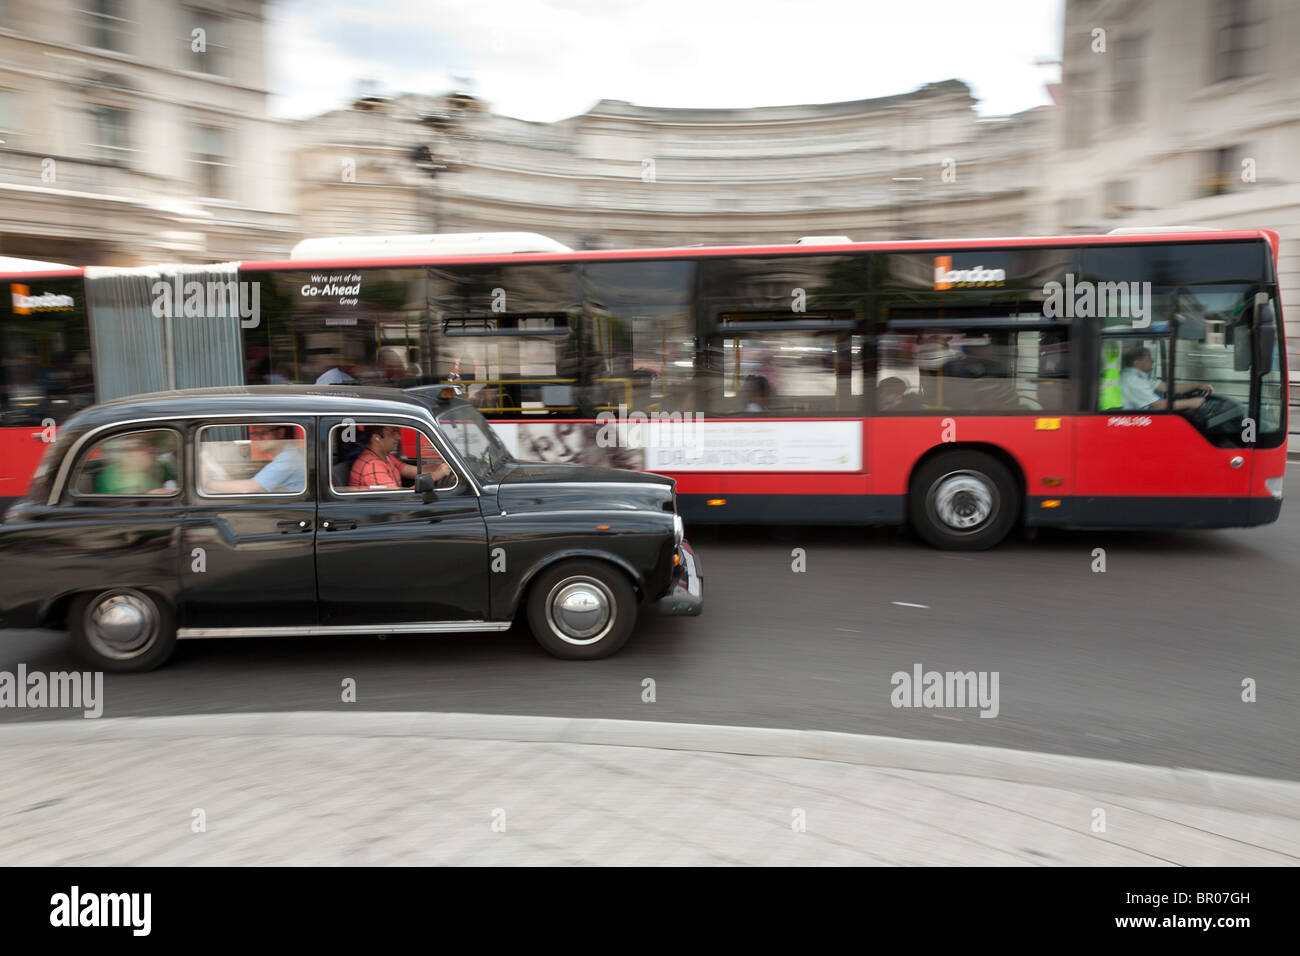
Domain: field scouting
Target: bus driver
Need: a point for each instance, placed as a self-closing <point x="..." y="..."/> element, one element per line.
<point x="1141" y="391"/>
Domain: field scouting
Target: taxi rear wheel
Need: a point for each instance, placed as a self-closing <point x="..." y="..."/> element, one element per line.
<point x="581" y="610"/>
<point x="123" y="629"/>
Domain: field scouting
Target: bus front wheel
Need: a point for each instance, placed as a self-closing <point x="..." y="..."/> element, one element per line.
<point x="963" y="501"/>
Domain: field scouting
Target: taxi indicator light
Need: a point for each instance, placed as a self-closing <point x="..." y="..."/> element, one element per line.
<point x="602" y="527"/>
<point x="715" y="502"/>
<point x="1052" y="503"/>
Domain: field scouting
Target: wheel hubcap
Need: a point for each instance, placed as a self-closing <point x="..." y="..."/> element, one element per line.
<point x="580" y="610"/>
<point x="122" y="625"/>
<point x="963" y="501"/>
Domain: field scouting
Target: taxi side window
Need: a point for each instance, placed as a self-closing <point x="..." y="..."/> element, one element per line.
<point x="369" y="457"/>
<point x="136" y="463"/>
<point x="252" y="459"/>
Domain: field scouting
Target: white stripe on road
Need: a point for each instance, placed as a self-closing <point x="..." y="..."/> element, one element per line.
<point x="905" y="604"/>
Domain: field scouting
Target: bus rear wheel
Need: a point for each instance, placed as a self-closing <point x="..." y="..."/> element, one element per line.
<point x="963" y="501"/>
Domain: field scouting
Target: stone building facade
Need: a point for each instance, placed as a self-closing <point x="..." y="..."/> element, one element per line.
<point x="1180" y="113"/>
<point x="916" y="165"/>
<point x="137" y="131"/>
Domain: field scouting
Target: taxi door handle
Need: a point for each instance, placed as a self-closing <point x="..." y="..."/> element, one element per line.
<point x="287" y="526"/>
<point x="337" y="525"/>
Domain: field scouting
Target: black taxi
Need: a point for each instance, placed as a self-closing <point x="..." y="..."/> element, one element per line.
<point x="312" y="511"/>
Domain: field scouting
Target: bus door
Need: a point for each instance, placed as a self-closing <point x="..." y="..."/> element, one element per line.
<point x="795" y="391"/>
<point x="1142" y="463"/>
<point x="998" y="374"/>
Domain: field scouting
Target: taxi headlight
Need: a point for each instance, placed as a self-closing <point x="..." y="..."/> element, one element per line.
<point x="679" y="530"/>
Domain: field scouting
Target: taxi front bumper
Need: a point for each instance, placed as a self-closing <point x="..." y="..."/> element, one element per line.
<point x="685" y="598"/>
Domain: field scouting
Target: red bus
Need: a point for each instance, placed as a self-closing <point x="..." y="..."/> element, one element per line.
<point x="1121" y="381"/>
<point x="45" y="364"/>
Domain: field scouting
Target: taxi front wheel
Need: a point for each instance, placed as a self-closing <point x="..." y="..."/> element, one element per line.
<point x="123" y="629"/>
<point x="581" y="610"/>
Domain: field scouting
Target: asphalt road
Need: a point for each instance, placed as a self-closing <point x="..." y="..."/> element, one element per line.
<point x="1141" y="663"/>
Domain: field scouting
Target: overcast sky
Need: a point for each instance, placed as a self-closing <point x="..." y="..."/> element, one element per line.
<point x="548" y="59"/>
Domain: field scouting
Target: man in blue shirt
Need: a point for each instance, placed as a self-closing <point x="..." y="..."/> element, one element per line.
<point x="284" y="474"/>
<point x="1141" y="391"/>
<point x="335" y="376"/>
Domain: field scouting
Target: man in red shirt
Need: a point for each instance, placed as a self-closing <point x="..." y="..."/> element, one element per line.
<point x="378" y="465"/>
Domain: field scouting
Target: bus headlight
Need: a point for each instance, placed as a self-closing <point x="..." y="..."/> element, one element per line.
<point x="1274" y="486"/>
<point x="679" y="530"/>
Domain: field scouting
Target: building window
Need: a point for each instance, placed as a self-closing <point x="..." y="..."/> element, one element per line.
<point x="111" y="133"/>
<point x="9" y="124"/>
<point x="1078" y="111"/>
<point x="210" y="158"/>
<point x="1237" y="39"/>
<point x="1126" y="94"/>
<point x="1117" y="199"/>
<point x="106" y="25"/>
<point x="1223" y="171"/>
<point x="1070" y="211"/>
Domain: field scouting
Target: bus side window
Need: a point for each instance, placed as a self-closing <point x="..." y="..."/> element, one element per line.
<point x="785" y="335"/>
<point x="785" y="373"/>
<point x="509" y="336"/>
<point x="639" y="324"/>
<point x="974" y="370"/>
<point x="363" y="326"/>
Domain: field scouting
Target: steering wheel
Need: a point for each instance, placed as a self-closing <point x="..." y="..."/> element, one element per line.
<point x="1218" y="415"/>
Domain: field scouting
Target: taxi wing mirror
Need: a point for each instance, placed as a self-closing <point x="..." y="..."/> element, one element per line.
<point x="424" y="485"/>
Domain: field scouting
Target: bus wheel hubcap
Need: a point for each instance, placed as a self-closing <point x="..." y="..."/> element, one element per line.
<point x="122" y="625"/>
<point x="580" y="610"/>
<point x="963" y="501"/>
